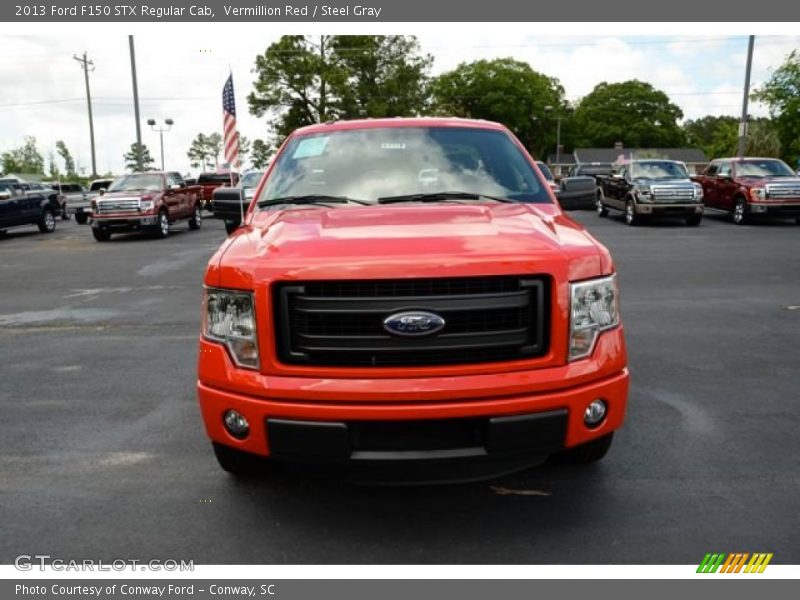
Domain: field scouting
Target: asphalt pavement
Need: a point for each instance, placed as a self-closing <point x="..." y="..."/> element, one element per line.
<point x="103" y="453"/>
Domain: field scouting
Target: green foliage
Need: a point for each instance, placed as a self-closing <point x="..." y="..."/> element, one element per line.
<point x="204" y="151"/>
<point x="69" y="162"/>
<point x="717" y="137"/>
<point x="262" y="154"/>
<point x="130" y="157"/>
<point x="301" y="80"/>
<point x="504" y="90"/>
<point x="244" y="149"/>
<point x="23" y="159"/>
<point x="781" y="93"/>
<point x="632" y="112"/>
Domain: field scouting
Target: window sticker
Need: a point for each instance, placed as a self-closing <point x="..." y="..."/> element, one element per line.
<point x="313" y="146"/>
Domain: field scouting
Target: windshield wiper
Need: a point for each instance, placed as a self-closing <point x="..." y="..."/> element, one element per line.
<point x="439" y="197"/>
<point x="309" y="199"/>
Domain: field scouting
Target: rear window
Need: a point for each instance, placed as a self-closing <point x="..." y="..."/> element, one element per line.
<point x="220" y="178"/>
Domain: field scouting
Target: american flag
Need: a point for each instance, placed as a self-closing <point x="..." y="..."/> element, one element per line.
<point x="230" y="136"/>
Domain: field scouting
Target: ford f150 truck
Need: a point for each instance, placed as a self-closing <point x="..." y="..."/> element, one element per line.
<point x="80" y="203"/>
<point x="148" y="201"/>
<point x="209" y="182"/>
<point x="392" y="308"/>
<point x="651" y="188"/>
<point x="751" y="187"/>
<point x="19" y="208"/>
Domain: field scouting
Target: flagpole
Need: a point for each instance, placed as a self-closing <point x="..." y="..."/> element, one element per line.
<point x="241" y="192"/>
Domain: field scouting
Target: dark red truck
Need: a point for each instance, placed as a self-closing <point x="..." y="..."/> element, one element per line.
<point x="751" y="187"/>
<point x="208" y="182"/>
<point x="149" y="201"/>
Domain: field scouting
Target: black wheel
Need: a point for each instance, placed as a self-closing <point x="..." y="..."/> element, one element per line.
<point x="740" y="214"/>
<point x="231" y="226"/>
<point x="602" y="211"/>
<point x="162" y="225"/>
<point x="47" y="222"/>
<point x="631" y="218"/>
<point x="100" y="234"/>
<point x="238" y="463"/>
<point x="81" y="218"/>
<point x="589" y="452"/>
<point x="197" y="219"/>
<point x="694" y="220"/>
<point x="65" y="216"/>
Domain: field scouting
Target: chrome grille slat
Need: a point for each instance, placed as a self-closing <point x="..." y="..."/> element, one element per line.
<point x="669" y="193"/>
<point x="783" y="190"/>
<point x="120" y="205"/>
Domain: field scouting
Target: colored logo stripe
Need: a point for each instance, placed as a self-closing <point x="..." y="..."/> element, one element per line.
<point x="734" y="563"/>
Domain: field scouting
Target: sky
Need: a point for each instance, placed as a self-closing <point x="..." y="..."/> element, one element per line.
<point x="180" y="77"/>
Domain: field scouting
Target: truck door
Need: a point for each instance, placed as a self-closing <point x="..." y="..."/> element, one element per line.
<point x="708" y="179"/>
<point x="726" y="186"/>
<point x="172" y="197"/>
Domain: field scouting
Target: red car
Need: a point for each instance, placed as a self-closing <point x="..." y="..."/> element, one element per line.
<point x="751" y="187"/>
<point x="406" y="299"/>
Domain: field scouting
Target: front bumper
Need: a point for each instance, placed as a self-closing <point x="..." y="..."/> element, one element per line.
<point x="668" y="210"/>
<point x="775" y="209"/>
<point x="518" y="419"/>
<point x="124" y="222"/>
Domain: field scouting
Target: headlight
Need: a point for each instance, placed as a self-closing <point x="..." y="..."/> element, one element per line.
<point x="645" y="193"/>
<point x="758" y="194"/>
<point x="593" y="309"/>
<point x="229" y="318"/>
<point x="145" y="204"/>
<point x="698" y="192"/>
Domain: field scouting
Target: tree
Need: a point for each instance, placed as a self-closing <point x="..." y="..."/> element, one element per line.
<point x="504" y="90"/>
<point x="781" y="93"/>
<point x="52" y="169"/>
<point x="632" y="112"/>
<point x="244" y="149"/>
<point x="199" y="152"/>
<point x="214" y="145"/>
<point x="715" y="136"/>
<point x="763" y="139"/>
<point x="310" y="79"/>
<point x="130" y="157"/>
<point x="69" y="162"/>
<point x="262" y="154"/>
<point x="24" y="159"/>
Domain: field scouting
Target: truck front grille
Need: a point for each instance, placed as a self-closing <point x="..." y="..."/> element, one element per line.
<point x="340" y="323"/>
<point x="118" y="206"/>
<point x="782" y="191"/>
<point x="666" y="193"/>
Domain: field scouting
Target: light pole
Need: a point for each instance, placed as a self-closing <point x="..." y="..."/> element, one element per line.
<point x="548" y="108"/>
<point x="169" y="123"/>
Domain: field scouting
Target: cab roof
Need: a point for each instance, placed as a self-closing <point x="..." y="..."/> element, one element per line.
<point x="399" y="122"/>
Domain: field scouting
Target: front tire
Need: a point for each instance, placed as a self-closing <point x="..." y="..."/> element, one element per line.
<point x="631" y="218"/>
<point x="100" y="234"/>
<point x="81" y="218"/>
<point x="740" y="215"/>
<point x="47" y="222"/>
<point x="162" y="225"/>
<point x="196" y="219"/>
<point x="588" y="453"/>
<point x="237" y="463"/>
<point x="694" y="220"/>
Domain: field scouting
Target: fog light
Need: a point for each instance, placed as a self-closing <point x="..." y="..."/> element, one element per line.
<point x="594" y="413"/>
<point x="236" y="424"/>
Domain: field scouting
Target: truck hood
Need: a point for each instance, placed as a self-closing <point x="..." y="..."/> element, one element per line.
<point x="759" y="182"/>
<point x="122" y="195"/>
<point x="677" y="181"/>
<point x="410" y="240"/>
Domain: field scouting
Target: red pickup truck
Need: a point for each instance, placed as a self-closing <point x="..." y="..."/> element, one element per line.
<point x="149" y="201"/>
<point x="209" y="182"/>
<point x="407" y="300"/>
<point x="751" y="187"/>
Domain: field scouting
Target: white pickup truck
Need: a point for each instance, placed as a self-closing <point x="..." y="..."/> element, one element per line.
<point x="80" y="203"/>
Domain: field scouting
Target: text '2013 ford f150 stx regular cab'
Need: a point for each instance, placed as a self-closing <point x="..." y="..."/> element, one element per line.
<point x="407" y="300"/>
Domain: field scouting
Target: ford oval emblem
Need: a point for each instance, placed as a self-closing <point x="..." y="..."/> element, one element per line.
<point x="413" y="323"/>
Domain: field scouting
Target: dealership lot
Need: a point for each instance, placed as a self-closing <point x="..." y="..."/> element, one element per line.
<point x="103" y="455"/>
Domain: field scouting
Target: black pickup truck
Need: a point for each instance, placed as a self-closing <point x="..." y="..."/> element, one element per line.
<point x="651" y="188"/>
<point x="19" y="208"/>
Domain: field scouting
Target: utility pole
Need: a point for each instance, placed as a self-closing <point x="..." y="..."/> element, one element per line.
<point x="743" y="123"/>
<point x="139" y="165"/>
<point x="85" y="64"/>
<point x="558" y="144"/>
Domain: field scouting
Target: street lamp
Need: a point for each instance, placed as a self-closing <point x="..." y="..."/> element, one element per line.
<point x="548" y="108"/>
<point x="169" y="123"/>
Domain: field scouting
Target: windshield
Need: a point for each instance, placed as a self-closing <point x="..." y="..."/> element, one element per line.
<point x="367" y="164"/>
<point x="251" y="179"/>
<point x="140" y="181"/>
<point x="763" y="168"/>
<point x="658" y="169"/>
<point x="99" y="185"/>
<point x="545" y="170"/>
<point x="218" y="178"/>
